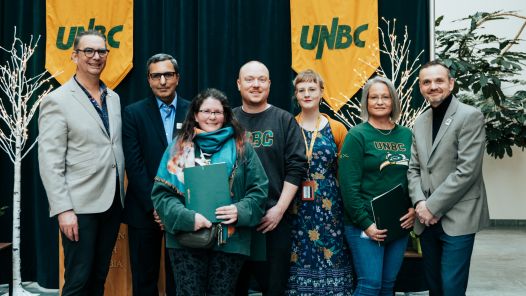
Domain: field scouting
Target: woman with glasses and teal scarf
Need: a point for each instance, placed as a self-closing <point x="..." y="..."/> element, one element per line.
<point x="210" y="135"/>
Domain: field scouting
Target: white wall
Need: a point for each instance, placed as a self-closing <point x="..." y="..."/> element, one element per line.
<point x="505" y="178"/>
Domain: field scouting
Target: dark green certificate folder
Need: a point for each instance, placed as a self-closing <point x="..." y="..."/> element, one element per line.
<point x="207" y="189"/>
<point x="388" y="208"/>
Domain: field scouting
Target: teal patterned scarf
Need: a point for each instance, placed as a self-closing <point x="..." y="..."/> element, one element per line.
<point x="219" y="143"/>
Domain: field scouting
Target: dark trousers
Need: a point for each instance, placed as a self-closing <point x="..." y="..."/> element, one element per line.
<point x="86" y="262"/>
<point x="145" y="256"/>
<point x="446" y="261"/>
<point x="271" y="275"/>
<point x="205" y="272"/>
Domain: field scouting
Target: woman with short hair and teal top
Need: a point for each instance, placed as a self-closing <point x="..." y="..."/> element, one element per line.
<point x="210" y="135"/>
<point x="374" y="159"/>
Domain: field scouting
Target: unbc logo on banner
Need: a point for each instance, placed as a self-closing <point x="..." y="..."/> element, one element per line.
<point x="111" y="39"/>
<point x="338" y="39"/>
<point x="65" y="19"/>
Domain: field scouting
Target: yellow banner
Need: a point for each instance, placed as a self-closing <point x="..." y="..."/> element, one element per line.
<point x="66" y="18"/>
<point x="339" y="40"/>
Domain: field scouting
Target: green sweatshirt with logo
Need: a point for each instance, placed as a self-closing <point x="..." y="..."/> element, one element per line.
<point x="371" y="162"/>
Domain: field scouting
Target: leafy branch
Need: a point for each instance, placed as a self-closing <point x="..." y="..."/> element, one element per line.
<point x="483" y="65"/>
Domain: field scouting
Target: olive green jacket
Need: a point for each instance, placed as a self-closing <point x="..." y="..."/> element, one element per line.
<point x="250" y="190"/>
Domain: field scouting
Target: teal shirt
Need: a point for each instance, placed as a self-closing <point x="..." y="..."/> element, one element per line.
<point x="371" y="162"/>
<point x="250" y="190"/>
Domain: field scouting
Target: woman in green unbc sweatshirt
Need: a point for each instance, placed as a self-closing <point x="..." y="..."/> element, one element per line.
<point x="374" y="159"/>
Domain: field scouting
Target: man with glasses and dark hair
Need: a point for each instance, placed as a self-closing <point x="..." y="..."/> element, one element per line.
<point x="82" y="166"/>
<point x="149" y="126"/>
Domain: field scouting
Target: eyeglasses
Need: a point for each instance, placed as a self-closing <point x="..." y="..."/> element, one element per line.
<point x="166" y="75"/>
<point x="251" y="80"/>
<point x="209" y="113"/>
<point x="384" y="99"/>
<point x="90" y="52"/>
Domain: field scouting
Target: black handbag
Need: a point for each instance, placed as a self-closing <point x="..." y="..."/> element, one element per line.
<point x="204" y="238"/>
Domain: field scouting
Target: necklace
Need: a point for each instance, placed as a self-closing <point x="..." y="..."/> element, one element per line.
<point x="205" y="158"/>
<point x="383" y="133"/>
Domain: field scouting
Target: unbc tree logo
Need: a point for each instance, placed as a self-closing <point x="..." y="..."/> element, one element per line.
<point x="338" y="37"/>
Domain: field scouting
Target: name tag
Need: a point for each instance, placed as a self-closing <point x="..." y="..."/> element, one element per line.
<point x="308" y="189"/>
<point x="179" y="125"/>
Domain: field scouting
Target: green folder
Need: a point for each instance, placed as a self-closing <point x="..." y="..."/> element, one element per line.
<point x="388" y="208"/>
<point x="207" y="189"/>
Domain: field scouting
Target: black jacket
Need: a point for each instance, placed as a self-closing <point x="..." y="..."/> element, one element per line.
<point x="144" y="142"/>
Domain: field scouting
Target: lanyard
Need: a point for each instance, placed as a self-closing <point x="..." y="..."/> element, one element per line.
<point x="314" y="135"/>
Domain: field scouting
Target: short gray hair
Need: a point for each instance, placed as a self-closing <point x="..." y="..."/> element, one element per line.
<point x="159" y="58"/>
<point x="395" y="111"/>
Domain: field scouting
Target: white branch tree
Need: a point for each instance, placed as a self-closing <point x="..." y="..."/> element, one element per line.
<point x="402" y="71"/>
<point x="19" y="102"/>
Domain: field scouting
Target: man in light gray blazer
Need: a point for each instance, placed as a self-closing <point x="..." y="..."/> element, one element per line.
<point x="82" y="166"/>
<point x="445" y="181"/>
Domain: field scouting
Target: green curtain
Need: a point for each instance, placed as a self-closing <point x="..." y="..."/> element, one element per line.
<point x="210" y="39"/>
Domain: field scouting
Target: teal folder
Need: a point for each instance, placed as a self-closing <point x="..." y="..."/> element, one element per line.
<point x="388" y="208"/>
<point x="207" y="189"/>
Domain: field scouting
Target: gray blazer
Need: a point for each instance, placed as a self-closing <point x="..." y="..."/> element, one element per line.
<point x="447" y="173"/>
<point x="78" y="161"/>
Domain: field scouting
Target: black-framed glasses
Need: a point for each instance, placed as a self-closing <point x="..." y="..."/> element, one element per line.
<point x="90" y="52"/>
<point x="167" y="75"/>
<point x="210" y="113"/>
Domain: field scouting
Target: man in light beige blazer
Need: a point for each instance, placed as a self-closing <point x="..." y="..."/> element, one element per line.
<point x="445" y="181"/>
<point x="82" y="166"/>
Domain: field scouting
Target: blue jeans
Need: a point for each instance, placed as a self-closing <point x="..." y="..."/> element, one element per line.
<point x="446" y="260"/>
<point x="376" y="266"/>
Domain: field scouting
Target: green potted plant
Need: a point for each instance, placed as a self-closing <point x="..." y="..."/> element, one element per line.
<point x="483" y="65"/>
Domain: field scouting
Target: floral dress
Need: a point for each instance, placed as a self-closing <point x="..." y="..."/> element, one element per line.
<point x="320" y="260"/>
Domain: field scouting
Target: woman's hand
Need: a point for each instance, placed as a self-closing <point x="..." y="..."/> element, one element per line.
<point x="408" y="219"/>
<point x="227" y="213"/>
<point x="376" y="234"/>
<point x="201" y="222"/>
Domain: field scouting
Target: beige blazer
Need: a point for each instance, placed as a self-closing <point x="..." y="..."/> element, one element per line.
<point x="78" y="160"/>
<point x="447" y="173"/>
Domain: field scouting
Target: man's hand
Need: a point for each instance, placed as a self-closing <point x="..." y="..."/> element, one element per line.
<point x="434" y="220"/>
<point x="424" y="215"/>
<point x="157" y="219"/>
<point x="67" y="222"/>
<point x="271" y="219"/>
<point x="201" y="222"/>
<point x="227" y="213"/>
